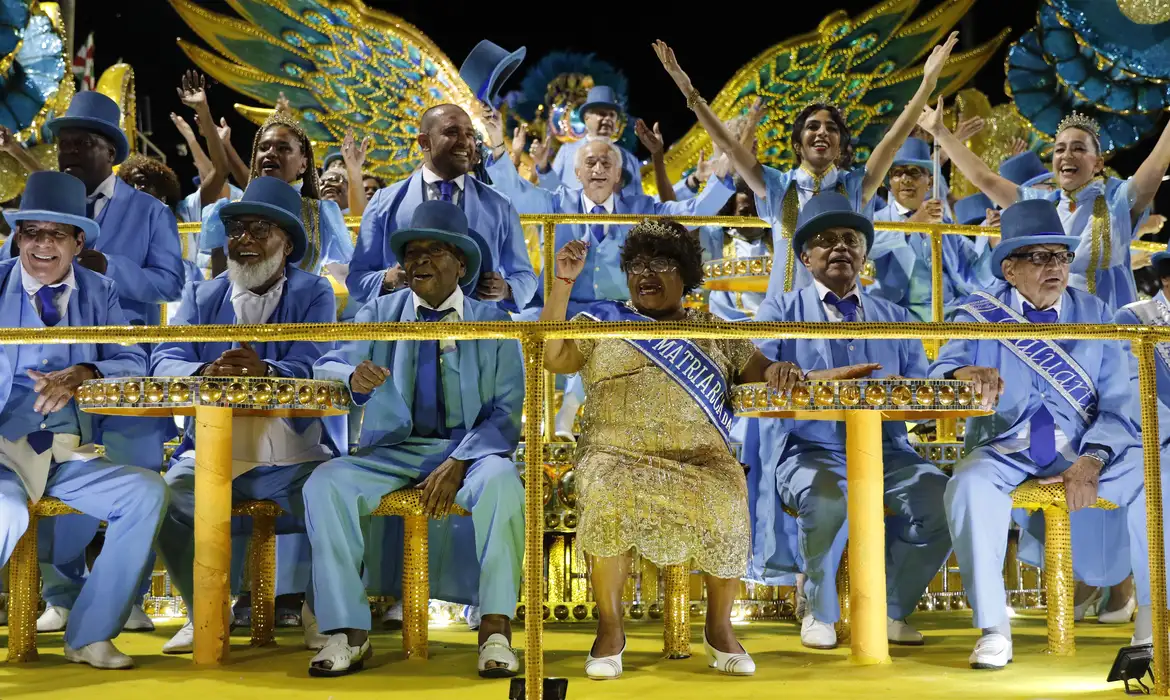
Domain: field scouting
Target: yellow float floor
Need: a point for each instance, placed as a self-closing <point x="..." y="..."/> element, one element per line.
<point x="786" y="670"/>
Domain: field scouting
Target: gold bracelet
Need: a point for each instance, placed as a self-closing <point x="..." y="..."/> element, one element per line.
<point x="694" y="98"/>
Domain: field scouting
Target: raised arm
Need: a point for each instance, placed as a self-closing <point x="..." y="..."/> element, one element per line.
<point x="652" y="140"/>
<point x="193" y="92"/>
<point x="354" y="155"/>
<point x="202" y="162"/>
<point x="1001" y="190"/>
<point x="1149" y="174"/>
<point x="562" y="356"/>
<point x="883" y="154"/>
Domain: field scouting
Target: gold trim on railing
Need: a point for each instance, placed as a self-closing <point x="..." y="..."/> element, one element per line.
<point x="897" y="395"/>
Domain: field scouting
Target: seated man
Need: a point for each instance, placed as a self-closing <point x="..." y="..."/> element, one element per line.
<point x="443" y="417"/>
<point x="271" y="457"/>
<point x="46" y="443"/>
<point x="1065" y="414"/>
<point x="601" y="113"/>
<point x="806" y="470"/>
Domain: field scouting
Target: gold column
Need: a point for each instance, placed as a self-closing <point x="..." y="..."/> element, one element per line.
<point x="549" y="230"/>
<point x="263" y="567"/>
<point x="213" y="533"/>
<point x="936" y="291"/>
<point x="867" y="537"/>
<point x="533" y="346"/>
<point x="1058" y="579"/>
<point x="1151" y="445"/>
<point x="416" y="587"/>
<point x="24" y="595"/>
<point x="844" y="628"/>
<point x="677" y="614"/>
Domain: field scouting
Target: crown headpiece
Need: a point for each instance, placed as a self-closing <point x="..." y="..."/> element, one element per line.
<point x="1076" y="120"/>
<point x="655" y="227"/>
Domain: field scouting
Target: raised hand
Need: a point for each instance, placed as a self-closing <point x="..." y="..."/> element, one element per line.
<point x="571" y="260"/>
<point x="224" y="131"/>
<point x="1019" y="145"/>
<point x="541" y="150"/>
<point x="931" y="120"/>
<point x="938" y="57"/>
<point x="968" y="128"/>
<point x="704" y="168"/>
<point x="670" y="63"/>
<point x="193" y="90"/>
<point x="519" y="143"/>
<point x="184" y="128"/>
<point x="651" y="139"/>
<point x="353" y="153"/>
<point x="282" y="105"/>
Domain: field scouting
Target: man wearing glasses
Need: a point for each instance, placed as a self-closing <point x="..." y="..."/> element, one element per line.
<point x="1064" y="415"/>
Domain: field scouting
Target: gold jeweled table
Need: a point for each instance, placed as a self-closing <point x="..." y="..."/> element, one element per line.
<point x="863" y="404"/>
<point x="213" y="401"/>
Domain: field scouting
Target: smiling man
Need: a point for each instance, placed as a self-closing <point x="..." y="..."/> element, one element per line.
<point x="1065" y="414"/>
<point x="601" y="113"/>
<point x="804" y="467"/>
<point x="442" y="417"/>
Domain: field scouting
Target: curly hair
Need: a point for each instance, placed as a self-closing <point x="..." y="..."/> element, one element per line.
<point x="666" y="239"/>
<point x="845" y="159"/>
<point x="162" y="179"/>
<point x="310" y="186"/>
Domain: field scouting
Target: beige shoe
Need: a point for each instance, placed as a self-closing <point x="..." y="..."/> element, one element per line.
<point x="103" y="655"/>
<point x="138" y="621"/>
<point x="53" y="619"/>
<point x="817" y="635"/>
<point x="900" y="632"/>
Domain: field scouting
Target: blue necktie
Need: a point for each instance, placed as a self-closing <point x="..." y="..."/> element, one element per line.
<point x="91" y="205"/>
<point x="447" y="191"/>
<point x="48" y="297"/>
<point x="1042" y="428"/>
<point x="429" y="410"/>
<point x="847" y="306"/>
<point x="597" y="230"/>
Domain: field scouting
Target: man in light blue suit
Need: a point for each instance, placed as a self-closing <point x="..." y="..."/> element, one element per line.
<point x="447" y="139"/>
<point x="806" y="469"/>
<point x="271" y="457"/>
<point x="47" y="446"/>
<point x="444" y="417"/>
<point x="1065" y="414"/>
<point x="601" y="113"/>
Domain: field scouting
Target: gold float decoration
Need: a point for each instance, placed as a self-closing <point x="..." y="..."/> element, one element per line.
<point x="246" y="395"/>
<point x="890" y="396"/>
<point x="1145" y="11"/>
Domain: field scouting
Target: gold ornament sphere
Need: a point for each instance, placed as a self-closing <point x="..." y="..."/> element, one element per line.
<point x="1146" y="11"/>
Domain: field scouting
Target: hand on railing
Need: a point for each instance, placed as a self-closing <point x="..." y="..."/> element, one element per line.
<point x="988" y="383"/>
<point x="862" y="371"/>
<point x="1080" y="483"/>
<point x="783" y="376"/>
<point x="931" y="212"/>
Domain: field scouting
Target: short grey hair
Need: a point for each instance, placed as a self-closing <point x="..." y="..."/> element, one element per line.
<point x="579" y="156"/>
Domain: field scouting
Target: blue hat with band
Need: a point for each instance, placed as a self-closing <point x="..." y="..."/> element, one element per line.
<point x="915" y="152"/>
<point x="1023" y="168"/>
<point x="1026" y="223"/>
<point x="600" y="97"/>
<point x="57" y="197"/>
<point x="829" y="210"/>
<point x="93" y="111"/>
<point x="489" y="66"/>
<point x="972" y="210"/>
<point x="274" y="199"/>
<point x="436" y="220"/>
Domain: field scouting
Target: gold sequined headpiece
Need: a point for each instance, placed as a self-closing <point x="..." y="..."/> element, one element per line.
<point x="1076" y="120"/>
<point x="311" y="186"/>
<point x="655" y="227"/>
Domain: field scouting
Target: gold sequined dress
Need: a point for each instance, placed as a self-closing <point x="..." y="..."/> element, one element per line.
<point x="653" y="474"/>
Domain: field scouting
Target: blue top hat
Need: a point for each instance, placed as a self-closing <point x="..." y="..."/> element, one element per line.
<point x="489" y="66"/>
<point x="1043" y="177"/>
<point x="829" y="210"/>
<point x="1022" y="168"/>
<point x="600" y="97"/>
<point x="1030" y="222"/>
<point x="915" y="152"/>
<point x="57" y="197"/>
<point x="94" y="111"/>
<point x="274" y="199"/>
<point x="1161" y="263"/>
<point x="332" y="155"/>
<point x="973" y="210"/>
<point x="436" y="220"/>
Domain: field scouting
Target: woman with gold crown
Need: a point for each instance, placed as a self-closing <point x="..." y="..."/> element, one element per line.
<point x="1102" y="211"/>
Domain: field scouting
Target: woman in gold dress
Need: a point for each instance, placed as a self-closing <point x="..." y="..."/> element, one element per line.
<point x="655" y="470"/>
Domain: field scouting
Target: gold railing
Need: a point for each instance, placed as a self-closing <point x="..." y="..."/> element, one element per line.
<point x="532" y="337"/>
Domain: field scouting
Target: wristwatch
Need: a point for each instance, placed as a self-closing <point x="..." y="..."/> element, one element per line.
<point x="1101" y="456"/>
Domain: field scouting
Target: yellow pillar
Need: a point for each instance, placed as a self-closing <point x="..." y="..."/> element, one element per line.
<point x="263" y="566"/>
<point x="24" y="596"/>
<point x="676" y="615"/>
<point x="1148" y="394"/>
<point x="867" y="537"/>
<point x="213" y="533"/>
<point x="1058" y="579"/>
<point x="416" y="587"/>
<point x="534" y="507"/>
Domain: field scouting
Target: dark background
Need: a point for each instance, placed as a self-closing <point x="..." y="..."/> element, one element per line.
<point x="712" y="40"/>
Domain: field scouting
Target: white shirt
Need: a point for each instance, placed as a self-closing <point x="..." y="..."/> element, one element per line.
<point x="252" y="308"/>
<point x="455" y="302"/>
<point x="904" y="212"/>
<point x="587" y="208"/>
<point x="831" y="311"/>
<point x="32" y="286"/>
<point x="106" y="192"/>
<point x="432" y="180"/>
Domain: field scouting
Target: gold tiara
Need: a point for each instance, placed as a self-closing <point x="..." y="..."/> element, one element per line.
<point x="655" y="227"/>
<point x="1076" y="120"/>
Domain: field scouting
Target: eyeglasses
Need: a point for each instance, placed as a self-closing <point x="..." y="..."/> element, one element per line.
<point x="641" y="267"/>
<point x="259" y="228"/>
<point x="1040" y="258"/>
<point x="830" y="239"/>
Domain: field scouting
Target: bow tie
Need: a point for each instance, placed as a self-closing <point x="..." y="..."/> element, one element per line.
<point x="847" y="306"/>
<point x="1036" y="316"/>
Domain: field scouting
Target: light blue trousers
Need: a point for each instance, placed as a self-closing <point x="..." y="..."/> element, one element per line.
<point x="342" y="491"/>
<point x="131" y="500"/>
<point x="176" y="538"/>
<point x="979" y="509"/>
<point x="812" y="482"/>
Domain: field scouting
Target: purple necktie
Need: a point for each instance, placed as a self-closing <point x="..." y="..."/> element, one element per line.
<point x="847" y="306"/>
<point x="447" y="191"/>
<point x="597" y="230"/>
<point x="48" y="298"/>
<point x="1042" y="427"/>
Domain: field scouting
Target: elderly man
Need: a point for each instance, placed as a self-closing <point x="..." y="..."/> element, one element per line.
<point x="447" y="139"/>
<point x="47" y="446"/>
<point x="601" y="113"/>
<point x="1065" y="414"/>
<point x="271" y="457"/>
<point x="902" y="259"/>
<point x="443" y="417"/>
<point x="806" y="469"/>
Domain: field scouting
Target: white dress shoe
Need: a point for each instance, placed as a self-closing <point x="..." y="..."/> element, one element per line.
<point x="183" y="642"/>
<point x="498" y="650"/>
<point x="739" y="664"/>
<point x="314" y="640"/>
<point x="99" y="655"/>
<point x="604" y="668"/>
<point x="992" y="651"/>
<point x="817" y="635"/>
<point x="392" y="618"/>
<point x="338" y="658"/>
<point x="138" y="621"/>
<point x="1118" y="617"/>
<point x="900" y="632"/>
<point x="53" y="619"/>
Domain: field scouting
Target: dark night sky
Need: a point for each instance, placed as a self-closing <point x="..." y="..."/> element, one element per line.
<point x="711" y="46"/>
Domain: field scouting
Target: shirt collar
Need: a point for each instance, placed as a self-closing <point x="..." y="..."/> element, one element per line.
<point x="106" y="189"/>
<point x="275" y="290"/>
<point x="430" y="177"/>
<point x="588" y="204"/>
<point x="455" y="301"/>
<point x="32" y="286"/>
<point x="806" y="180"/>
<point x="1018" y="302"/>
<point x="822" y="290"/>
<point x="904" y="211"/>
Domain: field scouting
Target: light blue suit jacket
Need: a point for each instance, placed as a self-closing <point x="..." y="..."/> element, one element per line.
<point x="491" y="379"/>
<point x="488" y="212"/>
<point x="564" y="170"/>
<point x="307" y="298"/>
<point x="1127" y="317"/>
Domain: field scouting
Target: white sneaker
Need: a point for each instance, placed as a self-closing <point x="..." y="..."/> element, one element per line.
<point x="900" y="632"/>
<point x="338" y="658"/>
<point x="817" y="635"/>
<point x="992" y="652"/>
<point x="314" y="640"/>
<point x="102" y="655"/>
<point x="471" y="614"/>
<point x="183" y="642"/>
<point x="138" y="621"/>
<point x="1118" y="617"/>
<point x="392" y="618"/>
<point x="53" y="619"/>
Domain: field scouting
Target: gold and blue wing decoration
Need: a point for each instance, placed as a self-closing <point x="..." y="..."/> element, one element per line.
<point x="341" y="65"/>
<point x="868" y="65"/>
